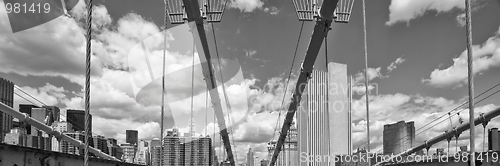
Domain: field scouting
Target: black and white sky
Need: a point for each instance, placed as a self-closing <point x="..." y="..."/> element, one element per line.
<point x="416" y="57"/>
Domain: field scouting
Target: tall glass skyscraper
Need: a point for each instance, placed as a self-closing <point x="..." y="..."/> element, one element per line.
<point x="323" y="118"/>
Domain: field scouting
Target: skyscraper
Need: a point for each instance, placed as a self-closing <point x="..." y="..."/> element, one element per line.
<point x="53" y="114"/>
<point x="142" y="155"/>
<point x="77" y="119"/>
<point x="60" y="127"/>
<point x="493" y="139"/>
<point x="27" y="108"/>
<point x="197" y="151"/>
<point x="132" y="137"/>
<point x="39" y="115"/>
<point x="67" y="147"/>
<point x="7" y="98"/>
<point x="398" y="137"/>
<point x="172" y="148"/>
<point x="129" y="152"/>
<point x="179" y="151"/>
<point x="250" y="156"/>
<point x="289" y="153"/>
<point x="324" y="125"/>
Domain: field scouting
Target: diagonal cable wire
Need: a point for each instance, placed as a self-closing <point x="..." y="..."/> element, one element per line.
<point x="366" y="81"/>
<point x="454" y="109"/>
<point x="163" y="81"/>
<point x="288" y="80"/>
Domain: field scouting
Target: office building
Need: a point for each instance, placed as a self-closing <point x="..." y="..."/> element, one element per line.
<point x="14" y="137"/>
<point x="60" y="127"/>
<point x="100" y="143"/>
<point x="132" y="137"/>
<point x="7" y="98"/>
<point x="289" y="152"/>
<point x="249" y="157"/>
<point x="155" y="155"/>
<point x="77" y="119"/>
<point x="215" y="160"/>
<point x="155" y="152"/>
<point x="53" y="114"/>
<point x="69" y="148"/>
<point x="38" y="114"/>
<point x="155" y="142"/>
<point x="398" y="137"/>
<point x="46" y="115"/>
<point x="129" y="152"/>
<point x="27" y="109"/>
<point x="493" y="139"/>
<point x="17" y="137"/>
<point x="142" y="154"/>
<point x="113" y="148"/>
<point x="324" y="110"/>
<point x="197" y="151"/>
<point x="180" y="150"/>
<point x="172" y="148"/>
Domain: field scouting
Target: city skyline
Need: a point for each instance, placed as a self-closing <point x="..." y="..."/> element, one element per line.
<point x="416" y="60"/>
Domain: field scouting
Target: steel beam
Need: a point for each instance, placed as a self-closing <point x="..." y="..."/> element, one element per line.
<point x="18" y="155"/>
<point x="197" y="28"/>
<point x="486" y="117"/>
<point x="49" y="130"/>
<point x="320" y="31"/>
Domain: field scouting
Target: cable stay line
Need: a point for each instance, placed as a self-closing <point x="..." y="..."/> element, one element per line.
<point x="287" y="82"/>
<point x="454" y="109"/>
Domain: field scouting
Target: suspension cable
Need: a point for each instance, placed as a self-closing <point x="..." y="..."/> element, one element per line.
<point x="366" y="82"/>
<point x="18" y="88"/>
<point x="87" y="82"/>
<point x="470" y="80"/>
<point x="454" y="109"/>
<point x="206" y="111"/>
<point x="74" y="123"/>
<point x="191" y="126"/>
<point x="477" y="102"/>
<point x="288" y="81"/>
<point x="459" y="106"/>
<point x="165" y="17"/>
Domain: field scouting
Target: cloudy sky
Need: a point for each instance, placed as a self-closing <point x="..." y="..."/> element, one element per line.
<point x="416" y="56"/>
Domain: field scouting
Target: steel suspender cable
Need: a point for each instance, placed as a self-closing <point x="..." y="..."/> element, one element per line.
<point x="366" y="83"/>
<point x="163" y="82"/>
<point x="458" y="113"/>
<point x="470" y="80"/>
<point x="206" y="111"/>
<point x="458" y="106"/>
<point x="288" y="81"/>
<point x="191" y="126"/>
<point x="87" y="83"/>
<point x="484" y="134"/>
<point x="327" y="91"/>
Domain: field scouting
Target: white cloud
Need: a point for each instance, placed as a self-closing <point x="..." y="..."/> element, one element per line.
<point x="406" y="10"/>
<point x="395" y="64"/>
<point x="273" y="10"/>
<point x="485" y="56"/>
<point x="246" y="5"/>
<point x="250" y="53"/>
<point x="372" y="74"/>
<point x="461" y="19"/>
